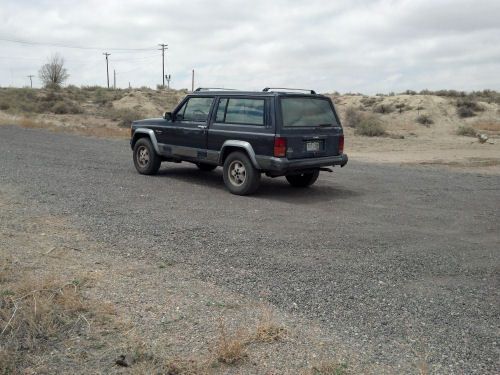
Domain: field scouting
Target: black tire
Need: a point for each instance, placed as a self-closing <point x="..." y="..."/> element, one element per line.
<point x="246" y="178"/>
<point x="303" y="179"/>
<point x="146" y="160"/>
<point x="205" y="167"/>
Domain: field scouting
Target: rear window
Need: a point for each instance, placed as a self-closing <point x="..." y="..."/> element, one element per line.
<point x="241" y="111"/>
<point x="307" y="112"/>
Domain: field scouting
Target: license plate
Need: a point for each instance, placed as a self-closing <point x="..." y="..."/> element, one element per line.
<point x="312" y="146"/>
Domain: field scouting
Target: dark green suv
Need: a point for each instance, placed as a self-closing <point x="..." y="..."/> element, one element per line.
<point x="279" y="132"/>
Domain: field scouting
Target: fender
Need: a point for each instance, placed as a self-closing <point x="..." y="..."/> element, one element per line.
<point x="151" y="135"/>
<point x="239" y="144"/>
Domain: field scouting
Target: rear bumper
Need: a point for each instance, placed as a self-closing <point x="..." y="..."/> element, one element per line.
<point x="284" y="165"/>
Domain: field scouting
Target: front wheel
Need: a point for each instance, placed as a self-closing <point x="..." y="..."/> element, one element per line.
<point x="146" y="160"/>
<point x="303" y="179"/>
<point x="240" y="176"/>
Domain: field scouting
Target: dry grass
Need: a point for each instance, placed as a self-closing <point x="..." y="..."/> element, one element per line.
<point x="37" y="315"/>
<point x="268" y="330"/>
<point x="488" y="126"/>
<point x="230" y="348"/>
<point x="105" y="132"/>
<point x="467" y="131"/>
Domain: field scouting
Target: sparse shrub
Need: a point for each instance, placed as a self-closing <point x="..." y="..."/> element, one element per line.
<point x="268" y="330"/>
<point x="4" y="106"/>
<point x="409" y="92"/>
<point x="368" y="101"/>
<point x="400" y="107"/>
<point x="352" y="117"/>
<point x="425" y="120"/>
<point x="468" y="107"/>
<point x="465" y="112"/>
<point x="125" y="116"/>
<point x="467" y="131"/>
<point x="64" y="107"/>
<point x="383" y="108"/>
<point x="230" y="349"/>
<point x="370" y="126"/>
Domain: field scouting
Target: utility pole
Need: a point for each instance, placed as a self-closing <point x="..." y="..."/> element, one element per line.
<point x="31" y="80"/>
<point x="168" y="77"/>
<point x="107" y="66"/>
<point x="162" y="49"/>
<point x="114" y="79"/>
<point x="192" y="81"/>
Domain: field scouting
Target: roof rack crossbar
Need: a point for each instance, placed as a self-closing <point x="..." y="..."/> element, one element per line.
<point x="213" y="89"/>
<point x="267" y="89"/>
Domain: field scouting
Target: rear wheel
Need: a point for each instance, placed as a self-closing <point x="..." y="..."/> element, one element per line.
<point x="206" y="167"/>
<point x="303" y="179"/>
<point x="146" y="160"/>
<point x="240" y="176"/>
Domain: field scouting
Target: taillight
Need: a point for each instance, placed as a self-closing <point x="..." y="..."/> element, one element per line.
<point x="341" y="144"/>
<point x="279" y="147"/>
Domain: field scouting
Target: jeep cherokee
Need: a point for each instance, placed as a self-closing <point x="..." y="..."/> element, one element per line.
<point x="279" y="132"/>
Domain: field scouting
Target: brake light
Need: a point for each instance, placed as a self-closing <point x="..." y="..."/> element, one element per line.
<point x="279" y="147"/>
<point x="341" y="144"/>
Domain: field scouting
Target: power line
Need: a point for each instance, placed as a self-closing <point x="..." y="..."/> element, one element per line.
<point x="31" y="43"/>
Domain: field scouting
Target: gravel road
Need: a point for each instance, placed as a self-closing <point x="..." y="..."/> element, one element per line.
<point x="399" y="263"/>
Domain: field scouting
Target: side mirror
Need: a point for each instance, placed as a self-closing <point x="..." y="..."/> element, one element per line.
<point x="168" y="116"/>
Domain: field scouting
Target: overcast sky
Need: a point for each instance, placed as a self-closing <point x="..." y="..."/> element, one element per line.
<point x="364" y="46"/>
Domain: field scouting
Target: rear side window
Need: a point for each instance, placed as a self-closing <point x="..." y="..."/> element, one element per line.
<point x="241" y="111"/>
<point x="307" y="112"/>
<point x="196" y="109"/>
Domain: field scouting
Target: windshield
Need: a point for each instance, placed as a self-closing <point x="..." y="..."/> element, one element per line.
<point x="307" y="112"/>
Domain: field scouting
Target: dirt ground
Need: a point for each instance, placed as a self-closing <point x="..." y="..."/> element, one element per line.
<point x="157" y="316"/>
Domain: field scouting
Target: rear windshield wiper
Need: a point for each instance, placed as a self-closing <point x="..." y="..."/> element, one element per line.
<point x="323" y="125"/>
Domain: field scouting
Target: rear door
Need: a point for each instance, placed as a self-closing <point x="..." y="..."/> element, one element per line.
<point x="310" y="125"/>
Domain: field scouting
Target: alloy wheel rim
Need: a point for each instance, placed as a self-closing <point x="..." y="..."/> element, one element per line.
<point x="143" y="156"/>
<point x="237" y="173"/>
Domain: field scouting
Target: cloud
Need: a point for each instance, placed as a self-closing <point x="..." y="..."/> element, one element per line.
<point x="359" y="45"/>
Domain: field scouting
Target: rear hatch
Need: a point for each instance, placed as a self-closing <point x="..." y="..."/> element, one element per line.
<point x="310" y="126"/>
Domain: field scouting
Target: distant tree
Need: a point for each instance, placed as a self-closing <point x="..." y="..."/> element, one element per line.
<point x="53" y="74"/>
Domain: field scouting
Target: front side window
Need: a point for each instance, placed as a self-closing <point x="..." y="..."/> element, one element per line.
<point x="195" y="109"/>
<point x="241" y="111"/>
<point x="307" y="112"/>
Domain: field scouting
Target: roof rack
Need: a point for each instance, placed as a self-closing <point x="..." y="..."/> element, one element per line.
<point x="267" y="89"/>
<point x="213" y="89"/>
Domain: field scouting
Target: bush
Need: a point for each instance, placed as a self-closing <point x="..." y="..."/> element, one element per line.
<point x="4" y="106"/>
<point x="62" y="108"/>
<point x="383" y="108"/>
<point x="370" y="126"/>
<point x="467" y="131"/>
<point x="425" y="120"/>
<point x="368" y="101"/>
<point x="353" y="117"/>
<point x="401" y="107"/>
<point x="468" y="107"/>
<point x="126" y="116"/>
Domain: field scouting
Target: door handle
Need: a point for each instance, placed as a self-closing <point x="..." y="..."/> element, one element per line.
<point x="202" y="126"/>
